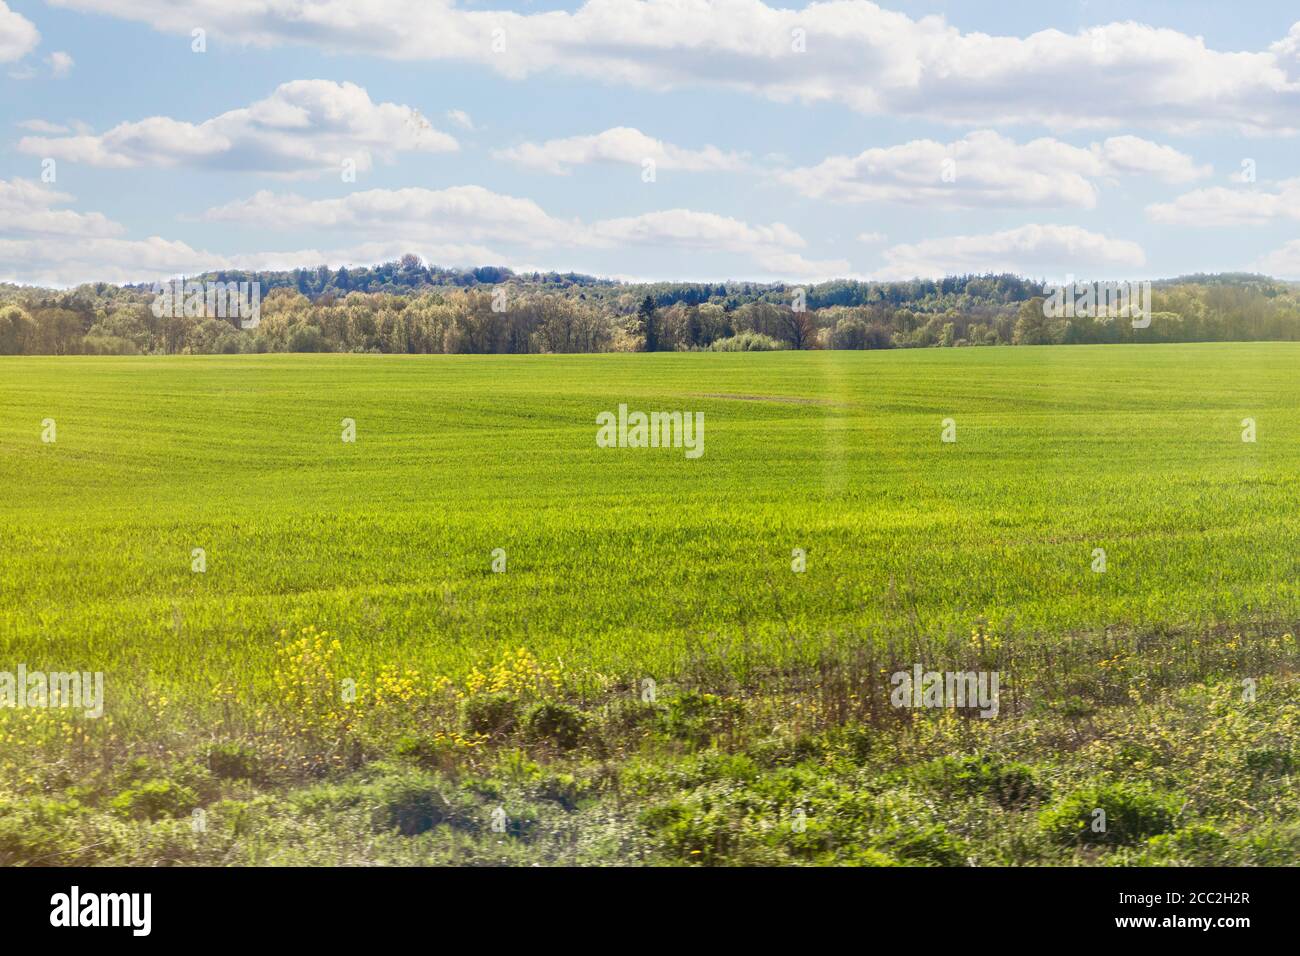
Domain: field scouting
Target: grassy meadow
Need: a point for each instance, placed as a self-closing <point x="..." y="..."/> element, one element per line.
<point x="370" y="562"/>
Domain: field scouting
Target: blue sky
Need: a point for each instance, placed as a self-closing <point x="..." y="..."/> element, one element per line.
<point x="685" y="139"/>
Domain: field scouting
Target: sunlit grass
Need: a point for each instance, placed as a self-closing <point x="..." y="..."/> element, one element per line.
<point x="628" y="559"/>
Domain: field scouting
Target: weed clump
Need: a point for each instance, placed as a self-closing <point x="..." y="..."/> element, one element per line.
<point x="414" y="803"/>
<point x="154" y="799"/>
<point x="558" y="724"/>
<point x="233" y="761"/>
<point x="1011" y="785"/>
<point x="1110" y="815"/>
<point x="492" y="715"/>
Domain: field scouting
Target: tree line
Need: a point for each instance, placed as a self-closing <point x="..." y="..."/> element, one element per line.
<point x="407" y="307"/>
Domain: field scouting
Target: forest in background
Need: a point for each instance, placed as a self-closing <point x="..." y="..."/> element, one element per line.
<point x="406" y="306"/>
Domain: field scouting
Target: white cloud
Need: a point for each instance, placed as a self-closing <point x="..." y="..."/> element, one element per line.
<point x="454" y="214"/>
<point x="18" y="36"/>
<point x="1288" y="48"/>
<point x="985" y="168"/>
<point x="873" y="60"/>
<point x="1220" y="206"/>
<point x="42" y="250"/>
<point x="460" y="118"/>
<point x="46" y="245"/>
<point x="871" y="238"/>
<point x="1033" y="250"/>
<point x="462" y="225"/>
<point x="773" y="248"/>
<point x="622" y="144"/>
<point x="1283" y="263"/>
<point x="26" y="209"/>
<point x="42" y="126"/>
<point x="60" y="63"/>
<point x="1133" y="156"/>
<point x="58" y="262"/>
<point x="304" y="127"/>
<point x="475" y="214"/>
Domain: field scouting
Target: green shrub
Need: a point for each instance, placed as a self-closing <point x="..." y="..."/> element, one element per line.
<point x="865" y="856"/>
<point x="413" y="803"/>
<point x="494" y="715"/>
<point x="716" y="765"/>
<point x="626" y="714"/>
<point x="1266" y="761"/>
<point x="1135" y="754"/>
<point x="134" y="770"/>
<point x="555" y="723"/>
<point x="430" y="753"/>
<point x="39" y="831"/>
<point x="564" y="789"/>
<point x="1132" y="814"/>
<point x="1012" y="785"/>
<point x="1274" y="844"/>
<point x="747" y="342"/>
<point x="697" y="717"/>
<point x="696" y="834"/>
<point x="154" y="799"/>
<point x="857" y="740"/>
<point x="931" y="845"/>
<point x="1198" y="845"/>
<point x="233" y="761"/>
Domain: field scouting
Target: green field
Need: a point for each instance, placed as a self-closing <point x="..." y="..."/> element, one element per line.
<point x="628" y="563"/>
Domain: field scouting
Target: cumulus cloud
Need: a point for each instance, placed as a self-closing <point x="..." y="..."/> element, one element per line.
<point x="1134" y="156"/>
<point x="461" y="225"/>
<point x="304" y="127"/>
<point x="44" y="244"/>
<point x="476" y="214"/>
<point x="985" y="168"/>
<point x="18" y="35"/>
<point x="27" y="209"/>
<point x="456" y="213"/>
<point x="853" y="52"/>
<point x="1043" y="250"/>
<point x="1283" y="263"/>
<point x="58" y="262"/>
<point x="774" y="248"/>
<point x="61" y="264"/>
<point x="622" y="144"/>
<point x="1220" y="206"/>
<point x="60" y="63"/>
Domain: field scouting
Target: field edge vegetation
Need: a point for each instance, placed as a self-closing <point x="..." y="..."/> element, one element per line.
<point x="1186" y="742"/>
